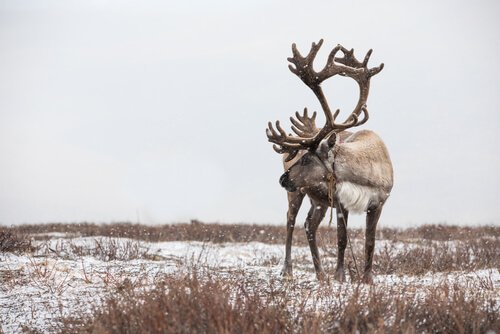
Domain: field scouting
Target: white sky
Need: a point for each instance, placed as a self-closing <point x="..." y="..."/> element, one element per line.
<point x="155" y="110"/>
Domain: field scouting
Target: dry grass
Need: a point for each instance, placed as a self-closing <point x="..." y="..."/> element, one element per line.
<point x="194" y="231"/>
<point x="418" y="259"/>
<point x="13" y="242"/>
<point x="191" y="304"/>
<point x="205" y="299"/>
<point x="424" y="256"/>
<point x="184" y="305"/>
<point x="219" y="233"/>
<point x="109" y="249"/>
<point x="414" y="251"/>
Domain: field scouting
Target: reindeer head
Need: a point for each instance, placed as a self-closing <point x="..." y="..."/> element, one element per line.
<point x="313" y="168"/>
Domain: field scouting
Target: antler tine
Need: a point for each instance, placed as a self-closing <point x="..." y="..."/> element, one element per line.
<point x="299" y="132"/>
<point x="367" y="57"/>
<point x="342" y="126"/>
<point x="331" y="68"/>
<point x="375" y="70"/>
<point x="303" y="65"/>
<point x="305" y="116"/>
<point x="350" y="60"/>
<point x="304" y="126"/>
<point x="282" y="139"/>
<point x="291" y="153"/>
<point x="366" y="116"/>
<point x="352" y="121"/>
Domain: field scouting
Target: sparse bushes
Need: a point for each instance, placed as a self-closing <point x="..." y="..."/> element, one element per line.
<point x="443" y="309"/>
<point x="14" y="243"/>
<point x="195" y="231"/>
<point x="212" y="305"/>
<point x="186" y="305"/>
<point x="420" y="258"/>
<point x="218" y="233"/>
<point x="429" y="248"/>
<point x="195" y="297"/>
<point x="109" y="249"/>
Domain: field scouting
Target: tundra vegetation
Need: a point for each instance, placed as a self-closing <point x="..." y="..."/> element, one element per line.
<point x="213" y="278"/>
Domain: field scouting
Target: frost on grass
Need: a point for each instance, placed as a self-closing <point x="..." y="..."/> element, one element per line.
<point x="76" y="278"/>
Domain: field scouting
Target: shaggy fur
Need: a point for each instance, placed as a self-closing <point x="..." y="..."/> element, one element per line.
<point x="363" y="170"/>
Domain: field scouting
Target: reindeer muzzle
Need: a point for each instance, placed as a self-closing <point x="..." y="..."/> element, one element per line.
<point x="286" y="183"/>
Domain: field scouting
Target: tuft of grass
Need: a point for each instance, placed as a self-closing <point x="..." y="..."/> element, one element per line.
<point x="109" y="249"/>
<point x="14" y="242"/>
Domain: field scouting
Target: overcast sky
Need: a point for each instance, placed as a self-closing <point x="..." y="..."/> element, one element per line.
<point x="155" y="111"/>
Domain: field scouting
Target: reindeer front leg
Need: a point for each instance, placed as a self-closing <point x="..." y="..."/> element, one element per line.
<point x="342" y="216"/>
<point x="294" y="203"/>
<point x="372" y="217"/>
<point x="314" y="218"/>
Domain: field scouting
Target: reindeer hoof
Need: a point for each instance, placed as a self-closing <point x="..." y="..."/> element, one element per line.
<point x="321" y="276"/>
<point x="286" y="272"/>
<point x="368" y="278"/>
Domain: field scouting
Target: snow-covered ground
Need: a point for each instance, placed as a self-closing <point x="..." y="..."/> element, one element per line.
<point x="68" y="276"/>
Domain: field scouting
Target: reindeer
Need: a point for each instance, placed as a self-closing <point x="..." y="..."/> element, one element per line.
<point x="354" y="176"/>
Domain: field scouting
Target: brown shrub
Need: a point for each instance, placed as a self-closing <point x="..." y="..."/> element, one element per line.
<point x="425" y="248"/>
<point x="14" y="242"/>
<point x="218" y="233"/>
<point x="194" y="231"/>
<point x="420" y="258"/>
<point x="443" y="309"/>
<point x="186" y="305"/>
<point x="214" y="305"/>
<point x="109" y="249"/>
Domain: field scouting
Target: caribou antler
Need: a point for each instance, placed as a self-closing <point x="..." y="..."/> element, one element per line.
<point x="291" y="144"/>
<point x="362" y="78"/>
<point x="348" y="66"/>
<point x="303" y="125"/>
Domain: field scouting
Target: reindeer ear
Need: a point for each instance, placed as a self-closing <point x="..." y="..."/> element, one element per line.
<point x="326" y="145"/>
<point x="332" y="139"/>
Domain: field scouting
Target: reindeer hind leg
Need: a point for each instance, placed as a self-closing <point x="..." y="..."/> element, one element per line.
<point x="342" y="216"/>
<point x="372" y="217"/>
